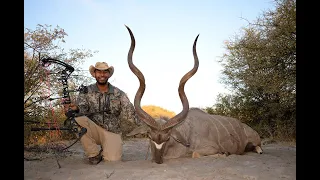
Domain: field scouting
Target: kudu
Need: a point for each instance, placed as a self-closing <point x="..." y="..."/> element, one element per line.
<point x="190" y="132"/>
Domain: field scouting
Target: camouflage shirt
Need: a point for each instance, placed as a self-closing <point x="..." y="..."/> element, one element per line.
<point x="107" y="109"/>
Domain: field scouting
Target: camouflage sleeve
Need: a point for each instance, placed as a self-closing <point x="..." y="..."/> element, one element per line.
<point x="128" y="111"/>
<point x="82" y="104"/>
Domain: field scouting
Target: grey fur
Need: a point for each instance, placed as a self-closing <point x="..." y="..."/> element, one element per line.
<point x="205" y="133"/>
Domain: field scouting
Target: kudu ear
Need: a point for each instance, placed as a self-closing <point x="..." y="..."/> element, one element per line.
<point x="143" y="129"/>
<point x="179" y="138"/>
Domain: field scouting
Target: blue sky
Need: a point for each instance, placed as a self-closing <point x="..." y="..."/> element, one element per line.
<point x="164" y="32"/>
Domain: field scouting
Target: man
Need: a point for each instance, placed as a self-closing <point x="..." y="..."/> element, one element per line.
<point x="104" y="105"/>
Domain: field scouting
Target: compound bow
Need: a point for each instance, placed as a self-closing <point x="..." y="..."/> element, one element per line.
<point x="69" y="124"/>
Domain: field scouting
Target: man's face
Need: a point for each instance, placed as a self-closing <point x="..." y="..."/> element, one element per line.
<point x="102" y="76"/>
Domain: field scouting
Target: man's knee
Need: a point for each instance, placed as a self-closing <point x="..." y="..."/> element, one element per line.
<point x="82" y="121"/>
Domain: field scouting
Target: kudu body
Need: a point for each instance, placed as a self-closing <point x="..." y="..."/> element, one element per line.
<point x="192" y="130"/>
<point x="202" y="134"/>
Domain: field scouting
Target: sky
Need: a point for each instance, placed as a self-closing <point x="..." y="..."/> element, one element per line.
<point x="164" y="32"/>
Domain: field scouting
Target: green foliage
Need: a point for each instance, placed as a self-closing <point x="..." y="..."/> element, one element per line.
<point x="260" y="68"/>
<point x="42" y="82"/>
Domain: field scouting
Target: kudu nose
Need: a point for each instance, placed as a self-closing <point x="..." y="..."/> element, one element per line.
<point x="159" y="161"/>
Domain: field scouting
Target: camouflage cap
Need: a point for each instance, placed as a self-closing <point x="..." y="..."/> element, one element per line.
<point x="101" y="66"/>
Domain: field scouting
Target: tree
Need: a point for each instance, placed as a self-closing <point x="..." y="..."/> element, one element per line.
<point x="41" y="83"/>
<point x="260" y="68"/>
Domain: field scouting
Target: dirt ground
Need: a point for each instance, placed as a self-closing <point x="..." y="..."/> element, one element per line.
<point x="278" y="161"/>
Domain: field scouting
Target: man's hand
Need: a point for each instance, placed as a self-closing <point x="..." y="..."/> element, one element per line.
<point x="71" y="106"/>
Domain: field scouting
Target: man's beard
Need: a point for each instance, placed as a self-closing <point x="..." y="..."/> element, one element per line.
<point x="103" y="82"/>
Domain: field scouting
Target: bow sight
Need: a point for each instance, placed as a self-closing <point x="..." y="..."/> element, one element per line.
<point x="66" y="95"/>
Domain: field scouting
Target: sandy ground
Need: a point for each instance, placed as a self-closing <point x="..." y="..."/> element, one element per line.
<point x="277" y="162"/>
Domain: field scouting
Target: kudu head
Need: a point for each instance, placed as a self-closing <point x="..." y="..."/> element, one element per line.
<point x="160" y="133"/>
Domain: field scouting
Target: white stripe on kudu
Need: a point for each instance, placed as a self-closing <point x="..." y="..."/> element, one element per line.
<point x="158" y="146"/>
